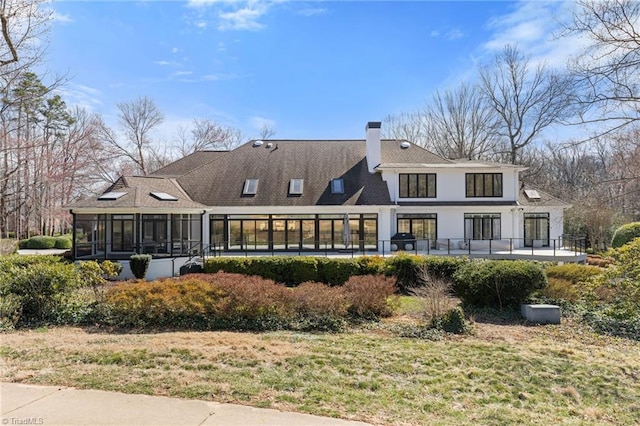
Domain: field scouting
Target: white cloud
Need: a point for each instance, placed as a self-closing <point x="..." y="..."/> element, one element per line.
<point x="313" y="11"/>
<point x="218" y="77"/>
<point x="238" y="15"/>
<point x="454" y="34"/>
<point x="451" y="34"/>
<point x="258" y="122"/>
<point x="242" y="19"/>
<point x="532" y="25"/>
<point x="82" y="96"/>
<point x="58" y="17"/>
<point x="181" y="73"/>
<point x="175" y="50"/>
<point x="221" y="47"/>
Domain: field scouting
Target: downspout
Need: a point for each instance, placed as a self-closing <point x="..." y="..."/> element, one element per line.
<point x="73" y="236"/>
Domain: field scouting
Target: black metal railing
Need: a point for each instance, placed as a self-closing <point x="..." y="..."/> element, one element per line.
<point x="564" y="246"/>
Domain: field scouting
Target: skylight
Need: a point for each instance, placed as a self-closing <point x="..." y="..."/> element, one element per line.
<point x="250" y="187"/>
<point x="337" y="186"/>
<point x="296" y="186"/>
<point x="532" y="194"/>
<point x="163" y="196"/>
<point x="110" y="196"/>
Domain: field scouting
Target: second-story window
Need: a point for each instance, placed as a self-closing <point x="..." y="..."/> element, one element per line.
<point x="417" y="185"/>
<point x="484" y="184"/>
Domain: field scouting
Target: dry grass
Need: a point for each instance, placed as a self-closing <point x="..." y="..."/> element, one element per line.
<point x="502" y="374"/>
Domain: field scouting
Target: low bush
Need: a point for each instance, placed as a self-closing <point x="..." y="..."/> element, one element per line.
<point x="40" y="289"/>
<point x="452" y="321"/>
<point x="371" y="265"/>
<point x="63" y="243"/>
<point x="139" y="264"/>
<point x="408" y="268"/>
<point x="294" y="270"/>
<point x="337" y="271"/>
<point x="41" y="242"/>
<point x="232" y="301"/>
<point x="368" y="296"/>
<point x="8" y="247"/>
<point x="498" y="283"/>
<point x="625" y="234"/>
<point x="572" y="272"/>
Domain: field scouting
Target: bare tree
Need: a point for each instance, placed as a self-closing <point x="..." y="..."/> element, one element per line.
<point x="409" y="126"/>
<point x="23" y="24"/>
<point x="461" y="124"/>
<point x="206" y="134"/>
<point x="266" y="132"/>
<point x="527" y="99"/>
<point x="137" y="120"/>
<point x="609" y="67"/>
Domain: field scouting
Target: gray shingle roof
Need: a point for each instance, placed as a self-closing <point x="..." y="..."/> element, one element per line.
<point x="276" y="162"/>
<point x="188" y="163"/>
<point x="546" y="199"/>
<point x="138" y="195"/>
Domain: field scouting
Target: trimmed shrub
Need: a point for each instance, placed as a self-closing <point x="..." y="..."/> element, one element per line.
<point x="572" y="272"/>
<point x="405" y="268"/>
<point x="498" y="283"/>
<point x="371" y="265"/>
<point x="408" y="269"/>
<point x="336" y="271"/>
<point x="625" y="234"/>
<point x="139" y="264"/>
<point x="42" y="242"/>
<point x="232" y="301"/>
<point x="63" y="243"/>
<point x="368" y="296"/>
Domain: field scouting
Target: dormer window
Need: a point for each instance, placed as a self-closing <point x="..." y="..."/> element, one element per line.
<point x="337" y="186"/>
<point x="296" y="186"/>
<point x="250" y="187"/>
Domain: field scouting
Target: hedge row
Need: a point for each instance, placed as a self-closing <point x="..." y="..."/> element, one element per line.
<point x="232" y="301"/>
<point x="293" y="270"/>
<point x="45" y="242"/>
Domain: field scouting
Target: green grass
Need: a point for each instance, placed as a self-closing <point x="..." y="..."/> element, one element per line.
<point x="504" y="374"/>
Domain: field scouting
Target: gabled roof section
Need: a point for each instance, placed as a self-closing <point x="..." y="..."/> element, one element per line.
<point x="545" y="199"/>
<point x="142" y="192"/>
<point x="400" y="151"/>
<point x="188" y="163"/>
<point x="276" y="162"/>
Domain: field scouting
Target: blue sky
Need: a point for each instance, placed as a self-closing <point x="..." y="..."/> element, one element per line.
<point x="310" y="70"/>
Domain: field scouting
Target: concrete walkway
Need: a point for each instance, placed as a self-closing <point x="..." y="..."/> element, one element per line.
<point x="52" y="405"/>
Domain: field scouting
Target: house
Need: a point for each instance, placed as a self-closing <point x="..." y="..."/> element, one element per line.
<point x="314" y="196"/>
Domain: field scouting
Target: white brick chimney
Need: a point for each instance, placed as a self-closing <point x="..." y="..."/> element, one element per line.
<point x="373" y="147"/>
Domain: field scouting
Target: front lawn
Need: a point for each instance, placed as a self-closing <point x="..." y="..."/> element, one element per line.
<point x="502" y="374"/>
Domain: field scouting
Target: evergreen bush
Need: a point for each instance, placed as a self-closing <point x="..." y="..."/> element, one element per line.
<point x="63" y="243"/>
<point x="498" y="283"/>
<point x="625" y="234"/>
<point x="139" y="264"/>
<point x="41" y="242"/>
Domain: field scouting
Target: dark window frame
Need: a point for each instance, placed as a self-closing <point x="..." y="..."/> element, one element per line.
<point x="409" y="185"/>
<point x="490" y="226"/>
<point x="484" y="185"/>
